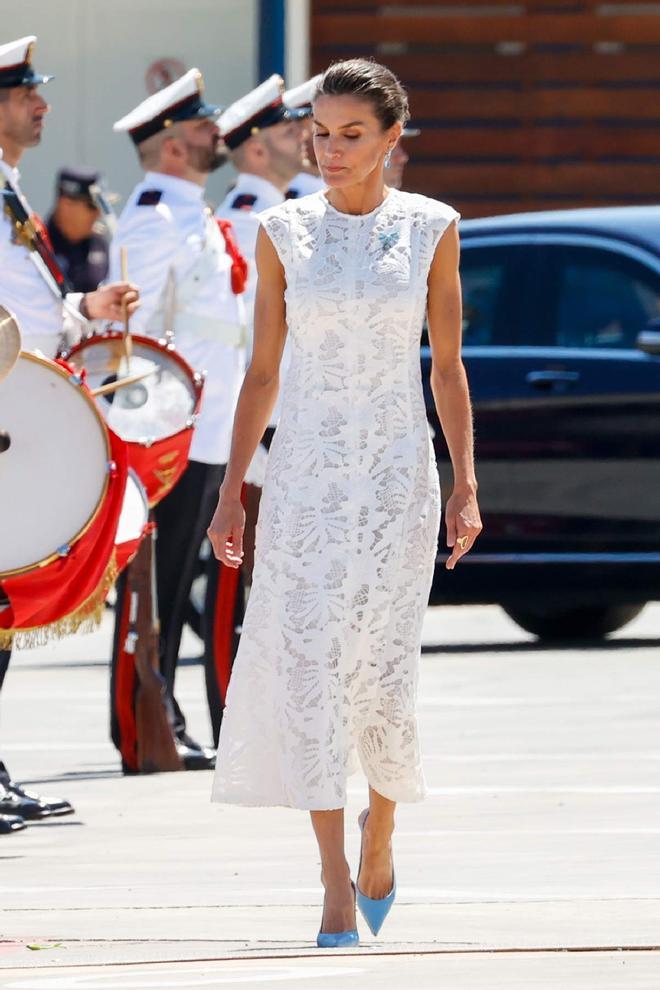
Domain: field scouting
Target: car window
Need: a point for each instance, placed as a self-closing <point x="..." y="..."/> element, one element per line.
<point x="604" y="300"/>
<point x="482" y="285"/>
<point x="495" y="280"/>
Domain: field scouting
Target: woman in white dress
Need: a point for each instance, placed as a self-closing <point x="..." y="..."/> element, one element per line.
<point x="326" y="673"/>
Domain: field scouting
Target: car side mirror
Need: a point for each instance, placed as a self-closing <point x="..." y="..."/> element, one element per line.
<point x="649" y="339"/>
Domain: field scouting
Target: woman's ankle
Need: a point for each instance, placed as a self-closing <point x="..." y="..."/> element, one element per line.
<point x="378" y="833"/>
<point x="335" y="875"/>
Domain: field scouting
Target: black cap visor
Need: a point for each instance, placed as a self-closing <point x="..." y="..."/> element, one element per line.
<point x="298" y="113"/>
<point x="274" y="114"/>
<point x="21" y="75"/>
<point x="192" y="108"/>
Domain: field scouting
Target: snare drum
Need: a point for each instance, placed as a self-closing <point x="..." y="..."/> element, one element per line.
<point x="62" y="482"/>
<point x="155" y="416"/>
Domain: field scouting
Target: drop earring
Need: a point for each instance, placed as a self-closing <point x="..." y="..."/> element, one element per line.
<point x="387" y="161"/>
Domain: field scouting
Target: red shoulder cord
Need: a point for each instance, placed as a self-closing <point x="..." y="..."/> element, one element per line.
<point x="42" y="231"/>
<point x="42" y="240"/>
<point x="239" y="266"/>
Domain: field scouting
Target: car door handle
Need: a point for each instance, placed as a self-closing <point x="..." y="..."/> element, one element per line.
<point x="546" y="379"/>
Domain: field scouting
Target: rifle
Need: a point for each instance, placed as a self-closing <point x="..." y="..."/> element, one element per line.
<point x="156" y="747"/>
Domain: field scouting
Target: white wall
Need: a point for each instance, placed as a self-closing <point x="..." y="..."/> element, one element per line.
<point x="99" y="51"/>
<point x="297" y="23"/>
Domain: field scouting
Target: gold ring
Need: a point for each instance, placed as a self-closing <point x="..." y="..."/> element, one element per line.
<point x="462" y="542"/>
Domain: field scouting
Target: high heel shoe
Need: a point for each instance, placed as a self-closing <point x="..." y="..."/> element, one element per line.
<point x="338" y="940"/>
<point x="374" y="910"/>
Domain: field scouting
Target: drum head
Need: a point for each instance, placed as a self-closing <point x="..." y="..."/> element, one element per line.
<point x="134" y="511"/>
<point x="157" y="407"/>
<point x="54" y="475"/>
<point x="10" y="343"/>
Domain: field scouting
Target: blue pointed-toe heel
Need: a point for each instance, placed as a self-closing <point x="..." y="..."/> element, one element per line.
<point x="374" y="910"/>
<point x="338" y="940"/>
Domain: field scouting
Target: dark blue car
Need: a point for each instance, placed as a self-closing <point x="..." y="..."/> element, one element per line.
<point x="561" y="333"/>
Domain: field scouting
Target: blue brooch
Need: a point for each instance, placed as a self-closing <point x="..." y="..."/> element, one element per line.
<point x="388" y="240"/>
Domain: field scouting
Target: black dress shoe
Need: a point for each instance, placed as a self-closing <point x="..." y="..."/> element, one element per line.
<point x="198" y="758"/>
<point x="49" y="806"/>
<point x="11" y="823"/>
<point x="187" y="740"/>
<point x="21" y="805"/>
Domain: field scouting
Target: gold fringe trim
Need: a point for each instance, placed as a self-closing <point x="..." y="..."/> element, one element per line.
<point x="86" y="618"/>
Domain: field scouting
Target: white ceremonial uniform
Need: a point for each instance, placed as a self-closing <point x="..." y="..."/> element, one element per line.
<point x="250" y="195"/>
<point x="166" y="225"/>
<point x="246" y="199"/>
<point x="38" y="308"/>
<point x="305" y="184"/>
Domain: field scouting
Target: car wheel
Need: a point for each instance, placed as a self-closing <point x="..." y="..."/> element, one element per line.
<point x="575" y="623"/>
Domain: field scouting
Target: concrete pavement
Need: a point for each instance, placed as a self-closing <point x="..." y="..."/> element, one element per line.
<point x="532" y="864"/>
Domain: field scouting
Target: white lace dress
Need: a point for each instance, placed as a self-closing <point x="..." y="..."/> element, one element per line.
<point x="326" y="671"/>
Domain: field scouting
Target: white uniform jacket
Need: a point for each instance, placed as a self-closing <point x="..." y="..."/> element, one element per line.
<point x="305" y="184"/>
<point x="38" y="306"/>
<point x="165" y="226"/>
<point x="249" y="196"/>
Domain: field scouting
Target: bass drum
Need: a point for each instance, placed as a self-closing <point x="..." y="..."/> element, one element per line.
<point x="62" y="479"/>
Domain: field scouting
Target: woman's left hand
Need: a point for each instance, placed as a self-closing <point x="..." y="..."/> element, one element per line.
<point x="463" y="522"/>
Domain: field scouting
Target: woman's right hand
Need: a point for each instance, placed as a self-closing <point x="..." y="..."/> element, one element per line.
<point x="226" y="531"/>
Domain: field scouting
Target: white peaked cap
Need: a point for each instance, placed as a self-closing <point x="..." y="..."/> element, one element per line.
<point x="262" y="107"/>
<point x="16" y="64"/>
<point x="252" y="104"/>
<point x="15" y="52"/>
<point x="302" y="96"/>
<point x="181" y="100"/>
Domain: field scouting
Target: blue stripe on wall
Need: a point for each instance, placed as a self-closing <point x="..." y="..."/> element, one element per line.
<point x="272" y="16"/>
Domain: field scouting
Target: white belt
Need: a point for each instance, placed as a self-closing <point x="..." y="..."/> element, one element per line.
<point x="208" y="328"/>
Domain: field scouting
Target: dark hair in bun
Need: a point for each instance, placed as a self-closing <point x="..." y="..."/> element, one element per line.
<point x="368" y="80"/>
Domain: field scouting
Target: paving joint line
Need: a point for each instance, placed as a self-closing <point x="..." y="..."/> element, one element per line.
<point x="403" y="904"/>
<point x="351" y="954"/>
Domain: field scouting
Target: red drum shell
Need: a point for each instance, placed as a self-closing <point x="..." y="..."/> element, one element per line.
<point x="60" y="594"/>
<point x="159" y="463"/>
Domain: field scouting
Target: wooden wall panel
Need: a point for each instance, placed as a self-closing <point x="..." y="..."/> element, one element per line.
<point x="522" y="105"/>
<point x="548" y="28"/>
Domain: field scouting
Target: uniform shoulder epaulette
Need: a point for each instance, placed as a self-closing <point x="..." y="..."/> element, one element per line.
<point x="244" y="201"/>
<point x="150" y="197"/>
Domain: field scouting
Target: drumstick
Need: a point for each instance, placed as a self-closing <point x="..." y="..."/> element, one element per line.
<point x="113" y="386"/>
<point x="127" y="340"/>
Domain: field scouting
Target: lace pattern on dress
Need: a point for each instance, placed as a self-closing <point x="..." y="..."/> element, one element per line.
<point x="326" y="673"/>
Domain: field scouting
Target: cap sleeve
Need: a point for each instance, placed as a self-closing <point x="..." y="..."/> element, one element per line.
<point x="276" y="224"/>
<point x="440" y="218"/>
<point x="435" y="220"/>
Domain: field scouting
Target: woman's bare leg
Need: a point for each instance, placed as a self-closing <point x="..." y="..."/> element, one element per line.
<point x="339" y="903"/>
<point x="375" y="879"/>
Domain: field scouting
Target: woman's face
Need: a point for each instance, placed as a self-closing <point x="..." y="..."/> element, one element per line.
<point x="349" y="141"/>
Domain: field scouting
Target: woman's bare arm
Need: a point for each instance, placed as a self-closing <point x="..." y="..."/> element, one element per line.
<point x="450" y="392"/>
<point x="255" y="403"/>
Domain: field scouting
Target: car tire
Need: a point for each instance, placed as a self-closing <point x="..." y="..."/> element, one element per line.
<point x="576" y="623"/>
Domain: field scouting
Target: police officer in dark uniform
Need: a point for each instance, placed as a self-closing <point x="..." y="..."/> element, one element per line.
<point x="74" y="229"/>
